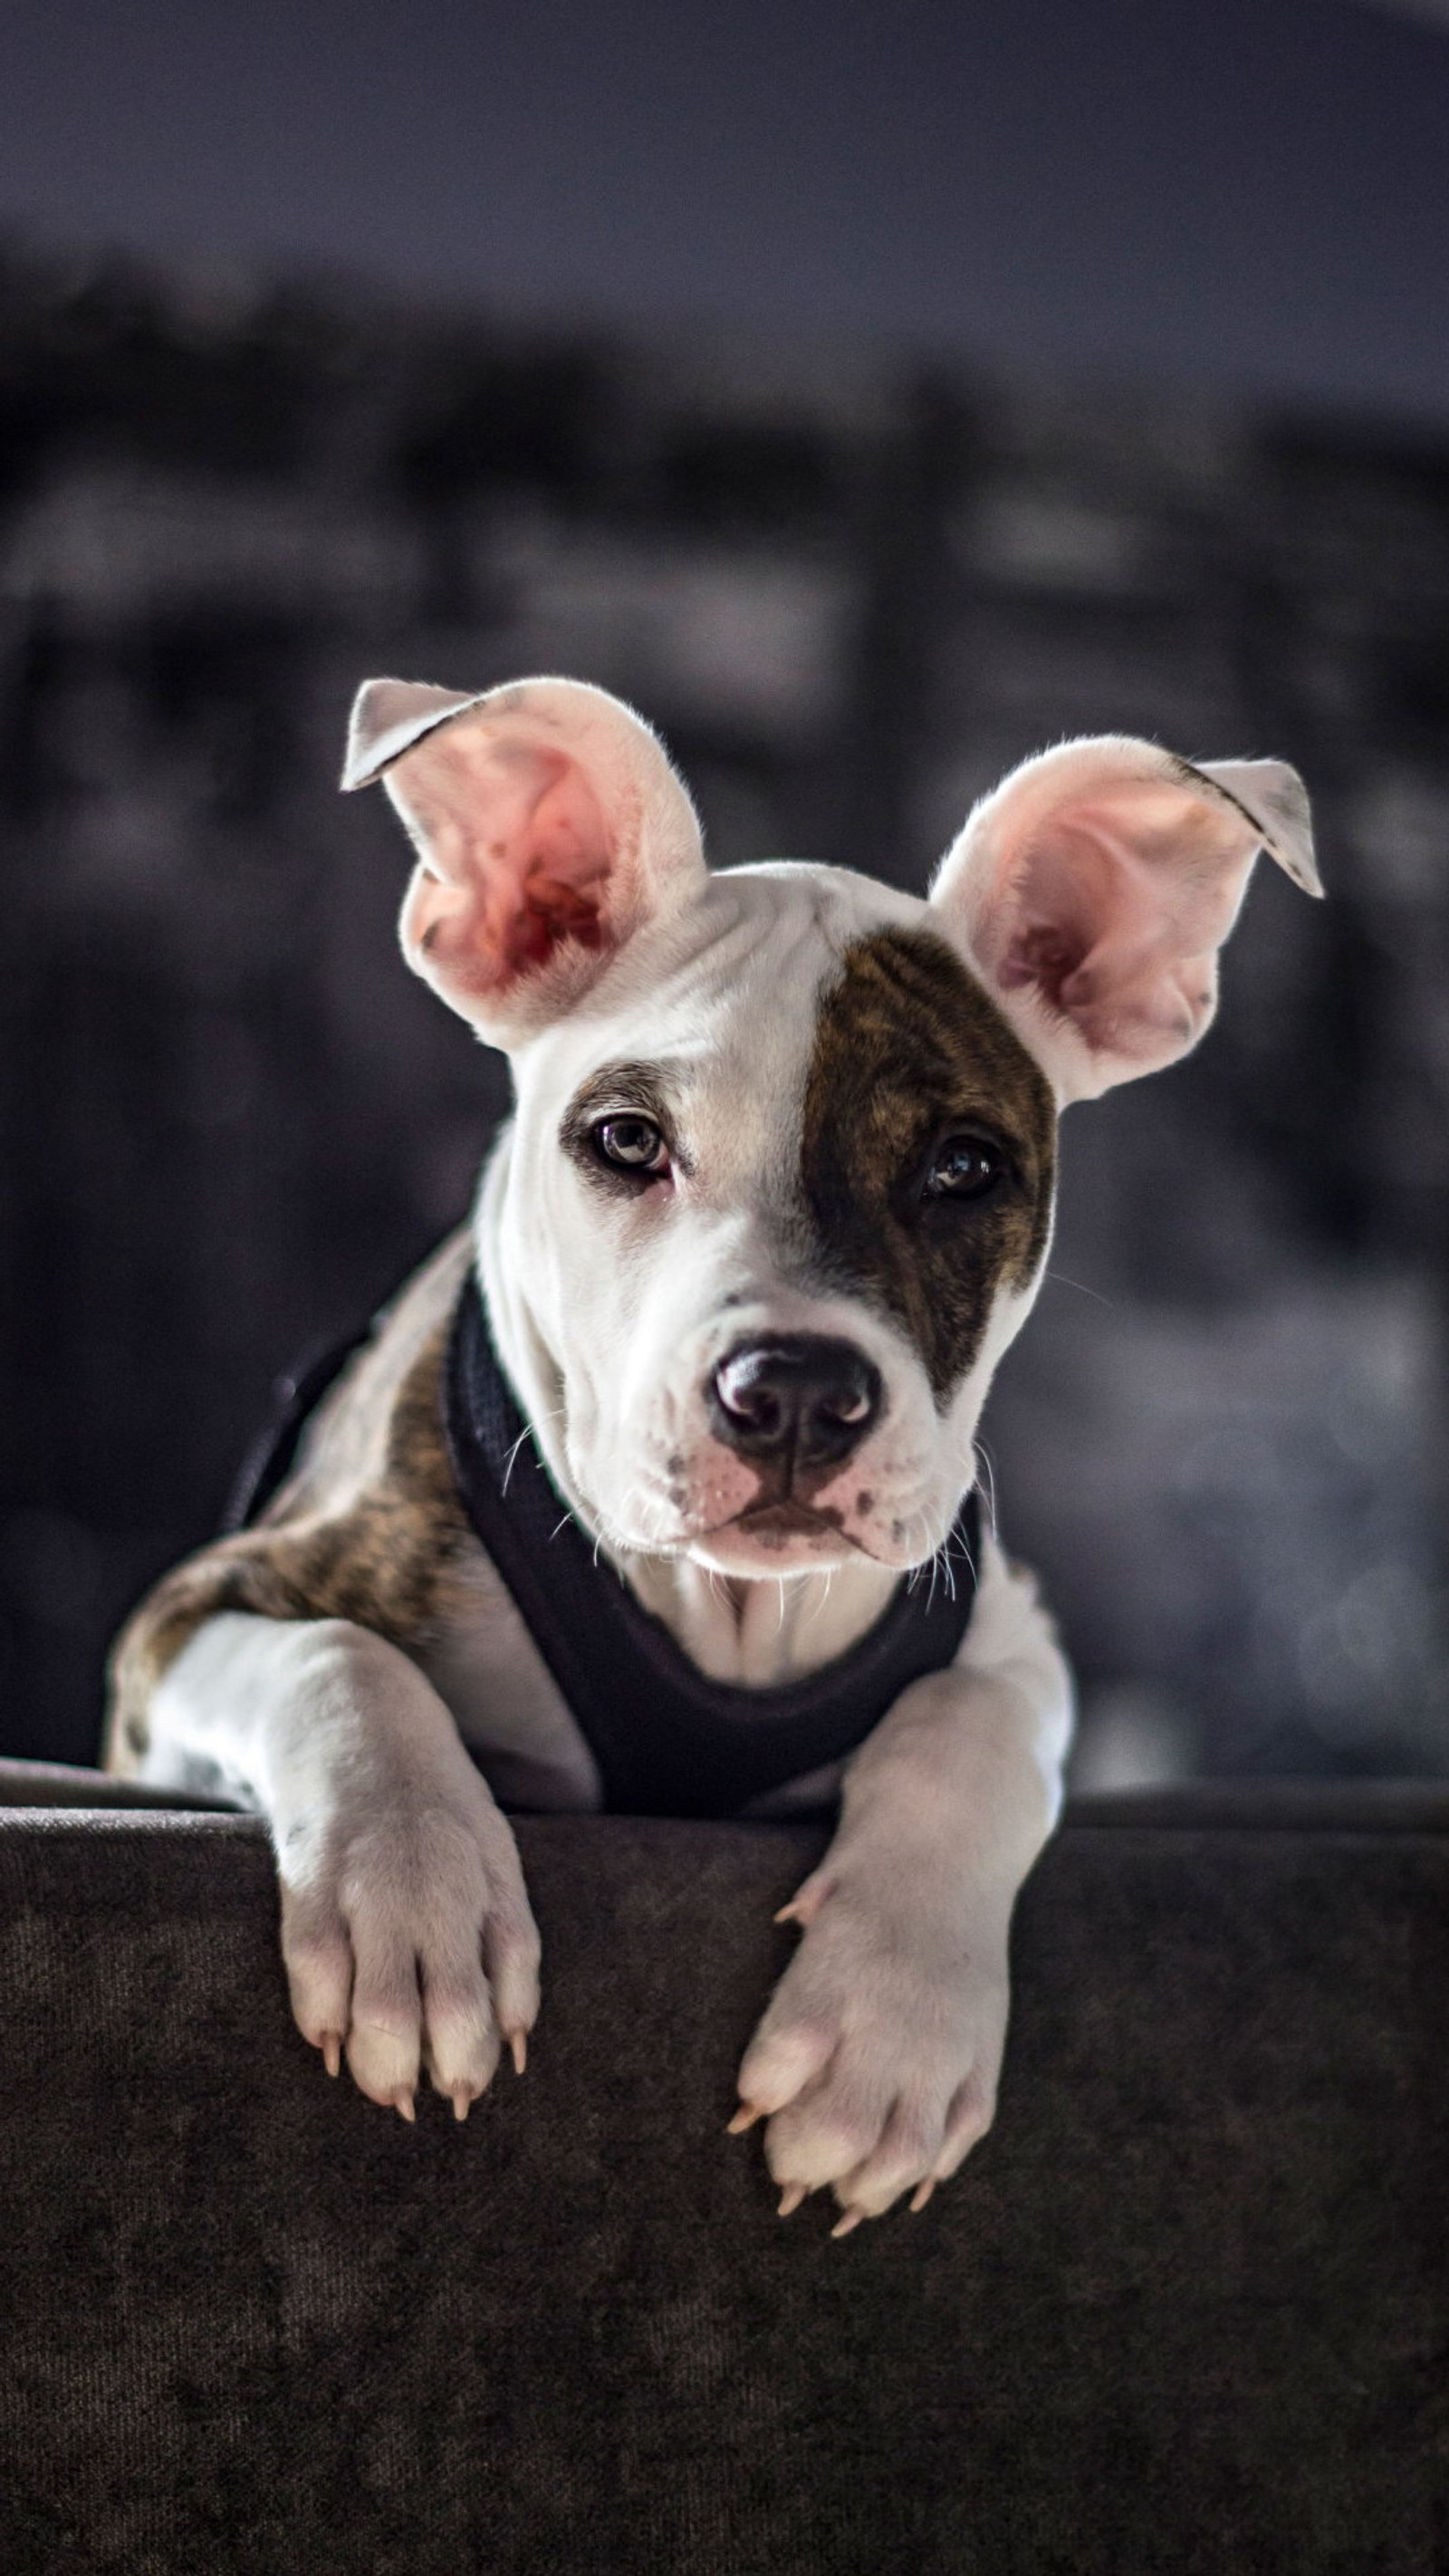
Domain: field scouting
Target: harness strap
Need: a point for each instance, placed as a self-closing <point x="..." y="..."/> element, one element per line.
<point x="668" y="1740"/>
<point x="272" y="1455"/>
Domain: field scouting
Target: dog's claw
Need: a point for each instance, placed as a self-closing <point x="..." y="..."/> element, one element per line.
<point x="332" y="2052"/>
<point x="518" y="2044"/>
<point x="844" y="2226"/>
<point x="791" y="2197"/>
<point x="403" y="2102"/>
<point x="922" y="2193"/>
<point x="744" y="2118"/>
<point x="805" y="1904"/>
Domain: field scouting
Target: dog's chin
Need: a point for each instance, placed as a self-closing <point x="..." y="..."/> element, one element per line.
<point x="778" y="1539"/>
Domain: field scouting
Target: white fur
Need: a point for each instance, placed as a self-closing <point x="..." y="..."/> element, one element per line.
<point x="626" y="1306"/>
<point x="405" y="1925"/>
<point x="406" y="1928"/>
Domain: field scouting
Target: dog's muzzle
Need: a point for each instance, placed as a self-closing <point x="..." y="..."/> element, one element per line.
<point x="794" y="1403"/>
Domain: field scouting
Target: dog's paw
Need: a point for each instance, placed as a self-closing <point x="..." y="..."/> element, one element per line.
<point x="409" y="1944"/>
<point x="877" y="2060"/>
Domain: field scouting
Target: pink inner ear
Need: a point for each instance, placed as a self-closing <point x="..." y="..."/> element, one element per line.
<point x="518" y="859"/>
<point x="1062" y="903"/>
<point x="1114" y="913"/>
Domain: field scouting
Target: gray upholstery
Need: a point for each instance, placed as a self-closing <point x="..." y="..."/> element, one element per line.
<point x="1184" y="2310"/>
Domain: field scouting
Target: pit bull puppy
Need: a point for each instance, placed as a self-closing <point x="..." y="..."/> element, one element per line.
<point x="775" y="1198"/>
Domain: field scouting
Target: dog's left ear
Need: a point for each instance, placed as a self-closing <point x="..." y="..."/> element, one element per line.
<point x="1094" y="887"/>
<point x="549" y="827"/>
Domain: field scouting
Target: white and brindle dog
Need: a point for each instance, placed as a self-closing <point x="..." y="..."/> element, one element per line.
<point x="775" y="1198"/>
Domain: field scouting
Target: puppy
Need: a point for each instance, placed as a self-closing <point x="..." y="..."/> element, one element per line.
<point x="648" y="1490"/>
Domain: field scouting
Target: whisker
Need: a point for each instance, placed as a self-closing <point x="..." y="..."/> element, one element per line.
<point x="940" y="1563"/>
<point x="511" y="1461"/>
<point x="1081" y="1286"/>
<point x="824" y="1600"/>
<point x="925" y="1563"/>
<point x="525" y="1435"/>
<point x="986" y="1461"/>
<point x="638" y="1500"/>
<point x="962" y="1552"/>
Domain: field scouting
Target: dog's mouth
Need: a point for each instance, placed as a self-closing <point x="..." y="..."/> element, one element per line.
<point x="775" y="1534"/>
<point x="779" y="1521"/>
<point x="777" y="1531"/>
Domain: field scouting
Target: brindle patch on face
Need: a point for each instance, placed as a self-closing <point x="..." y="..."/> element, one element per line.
<point x="909" y="1049"/>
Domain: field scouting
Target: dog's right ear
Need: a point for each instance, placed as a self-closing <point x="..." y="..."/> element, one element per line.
<point x="549" y="827"/>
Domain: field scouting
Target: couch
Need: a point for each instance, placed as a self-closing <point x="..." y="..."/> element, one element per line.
<point x="1185" y="2309"/>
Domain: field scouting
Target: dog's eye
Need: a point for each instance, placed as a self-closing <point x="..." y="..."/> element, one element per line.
<point x="964" y="1167"/>
<point x="631" y="1145"/>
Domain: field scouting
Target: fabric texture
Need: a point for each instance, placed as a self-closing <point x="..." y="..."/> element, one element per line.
<point x="1184" y="2310"/>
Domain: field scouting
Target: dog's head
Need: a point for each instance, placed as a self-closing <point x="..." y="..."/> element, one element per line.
<point x="779" y="1189"/>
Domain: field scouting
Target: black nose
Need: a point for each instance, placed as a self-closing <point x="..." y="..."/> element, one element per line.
<point x="799" y="1399"/>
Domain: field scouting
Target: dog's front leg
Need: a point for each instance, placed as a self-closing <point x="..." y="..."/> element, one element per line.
<point x="877" y="2059"/>
<point x="406" y="1928"/>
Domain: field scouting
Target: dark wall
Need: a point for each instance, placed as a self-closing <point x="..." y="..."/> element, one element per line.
<point x="850" y="594"/>
<point x="1244" y="195"/>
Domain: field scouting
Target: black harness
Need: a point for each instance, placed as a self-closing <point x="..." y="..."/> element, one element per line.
<point x="668" y="1741"/>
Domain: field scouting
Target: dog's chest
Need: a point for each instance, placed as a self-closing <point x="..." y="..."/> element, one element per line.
<point x="508" y="1708"/>
<point x="512" y="1715"/>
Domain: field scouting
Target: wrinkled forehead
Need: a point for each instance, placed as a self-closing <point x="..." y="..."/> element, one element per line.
<point x="723" y="1002"/>
<point x="792" y="1002"/>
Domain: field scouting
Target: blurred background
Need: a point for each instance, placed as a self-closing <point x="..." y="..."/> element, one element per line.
<point x="872" y="396"/>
